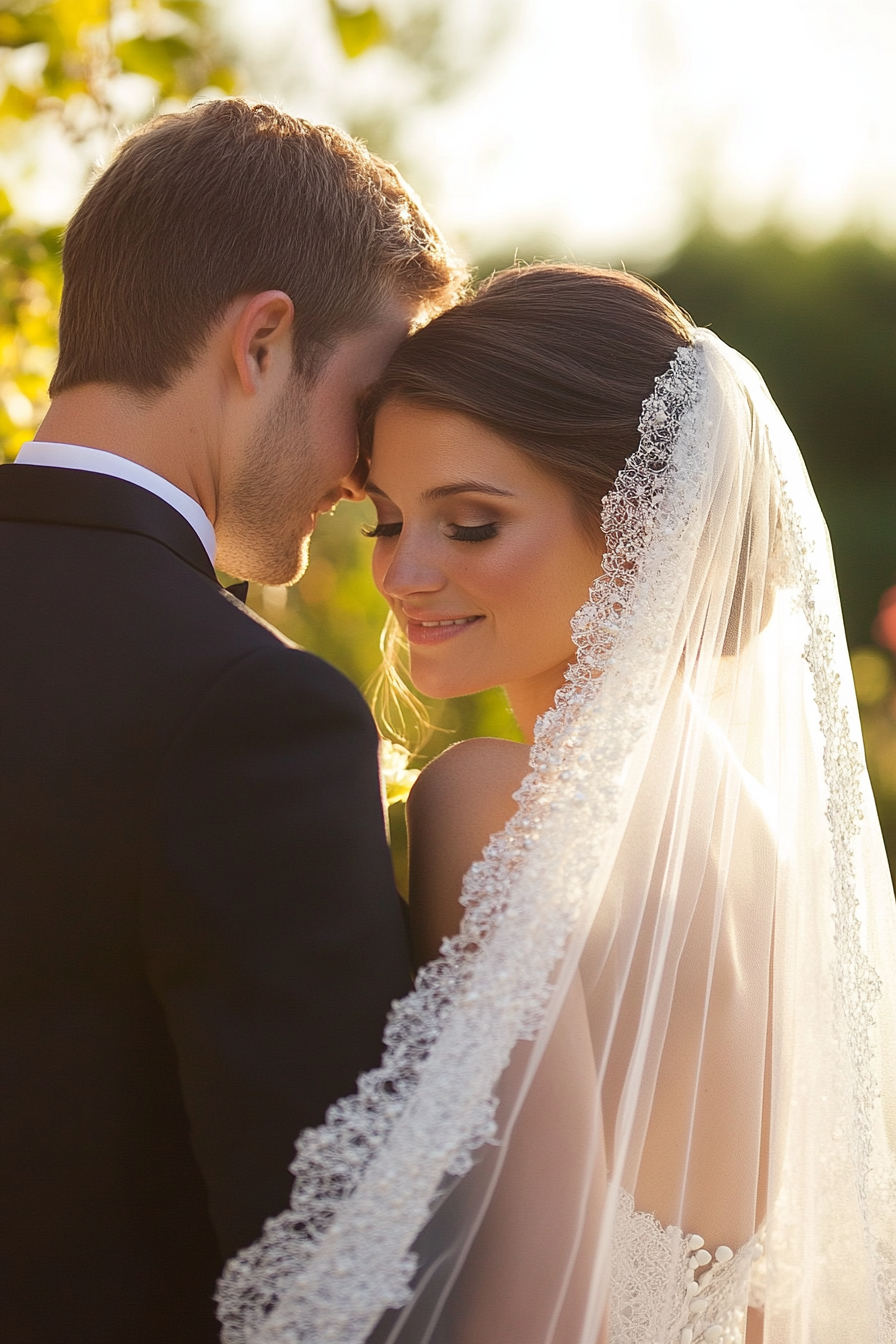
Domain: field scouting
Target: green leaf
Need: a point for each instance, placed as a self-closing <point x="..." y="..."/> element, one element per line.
<point x="13" y="32"/>
<point x="358" y="30"/>
<point x="155" y="57"/>
<point x="221" y="78"/>
<point x="22" y="30"/>
<point x="17" y="103"/>
<point x="71" y="17"/>
<point x="193" y="10"/>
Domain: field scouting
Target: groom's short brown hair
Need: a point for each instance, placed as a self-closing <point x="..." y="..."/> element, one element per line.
<point x="200" y="207"/>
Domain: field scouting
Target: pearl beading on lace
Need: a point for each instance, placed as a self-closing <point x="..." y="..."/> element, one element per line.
<point x="710" y="1289"/>
<point x="701" y="1325"/>
<point x="328" y="1267"/>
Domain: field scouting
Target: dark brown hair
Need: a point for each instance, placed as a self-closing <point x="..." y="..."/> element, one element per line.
<point x="200" y="207"/>
<point x="557" y="359"/>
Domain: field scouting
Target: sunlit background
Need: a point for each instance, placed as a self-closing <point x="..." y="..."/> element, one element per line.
<point x="744" y="156"/>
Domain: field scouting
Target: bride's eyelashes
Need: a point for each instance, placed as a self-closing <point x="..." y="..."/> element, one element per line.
<point x="483" y="532"/>
<point x="381" y="530"/>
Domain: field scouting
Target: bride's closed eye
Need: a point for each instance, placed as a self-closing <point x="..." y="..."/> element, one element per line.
<point x="484" y="532"/>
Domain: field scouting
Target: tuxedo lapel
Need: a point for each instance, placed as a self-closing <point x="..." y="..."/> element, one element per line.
<point x="86" y="499"/>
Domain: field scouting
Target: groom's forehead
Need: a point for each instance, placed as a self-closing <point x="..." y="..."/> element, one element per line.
<point x="357" y="359"/>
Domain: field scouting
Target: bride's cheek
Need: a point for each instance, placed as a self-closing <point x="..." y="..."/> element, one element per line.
<point x="518" y="579"/>
<point x="507" y="567"/>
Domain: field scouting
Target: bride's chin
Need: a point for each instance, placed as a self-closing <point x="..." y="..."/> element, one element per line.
<point x="440" y="684"/>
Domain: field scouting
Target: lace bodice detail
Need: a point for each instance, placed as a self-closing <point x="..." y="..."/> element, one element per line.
<point x="668" y="1287"/>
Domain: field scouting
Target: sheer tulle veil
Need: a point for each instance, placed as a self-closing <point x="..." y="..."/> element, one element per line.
<point x="648" y="1093"/>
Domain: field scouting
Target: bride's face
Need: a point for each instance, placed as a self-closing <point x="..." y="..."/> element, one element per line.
<point x="481" y="556"/>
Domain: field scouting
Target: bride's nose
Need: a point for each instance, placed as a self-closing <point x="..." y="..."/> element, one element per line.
<point x="410" y="571"/>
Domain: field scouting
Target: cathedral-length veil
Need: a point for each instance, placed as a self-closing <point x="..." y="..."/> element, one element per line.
<point x="652" y="1083"/>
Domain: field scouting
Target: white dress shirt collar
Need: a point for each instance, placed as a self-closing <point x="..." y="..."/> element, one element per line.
<point x="73" y="455"/>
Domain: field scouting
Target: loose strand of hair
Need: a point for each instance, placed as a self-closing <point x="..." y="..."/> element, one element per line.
<point x="399" y="713"/>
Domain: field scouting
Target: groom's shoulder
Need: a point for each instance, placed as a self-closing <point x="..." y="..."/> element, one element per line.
<point x="276" y="676"/>
<point x="231" y="644"/>
<point x="179" y="638"/>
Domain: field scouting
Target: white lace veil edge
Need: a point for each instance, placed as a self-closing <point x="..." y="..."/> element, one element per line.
<point x="711" y="681"/>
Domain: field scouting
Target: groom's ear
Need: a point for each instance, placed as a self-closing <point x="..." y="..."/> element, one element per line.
<point x="262" y="334"/>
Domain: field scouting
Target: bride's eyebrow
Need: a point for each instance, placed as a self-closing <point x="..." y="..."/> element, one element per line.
<point x="464" y="488"/>
<point x="443" y="491"/>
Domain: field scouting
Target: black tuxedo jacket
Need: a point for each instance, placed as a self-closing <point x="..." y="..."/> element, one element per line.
<point x="199" y="932"/>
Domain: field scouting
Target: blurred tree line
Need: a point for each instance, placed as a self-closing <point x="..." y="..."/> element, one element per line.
<point x="818" y="320"/>
<point x="820" y="324"/>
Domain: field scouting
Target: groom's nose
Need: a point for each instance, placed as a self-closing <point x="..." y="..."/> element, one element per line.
<point x="352" y="485"/>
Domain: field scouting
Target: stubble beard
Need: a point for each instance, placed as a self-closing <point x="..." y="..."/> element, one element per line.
<point x="266" y="537"/>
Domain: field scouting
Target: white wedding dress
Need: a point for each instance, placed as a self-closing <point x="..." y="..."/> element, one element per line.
<point x="651" y="1085"/>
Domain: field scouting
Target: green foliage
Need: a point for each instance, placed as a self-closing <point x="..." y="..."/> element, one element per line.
<point x="429" y="56"/>
<point x="82" y="52"/>
<point x="875" y="680"/>
<point x="358" y="29"/>
<point x="90" y="43"/>
<point x="30" y="285"/>
<point x="819" y="322"/>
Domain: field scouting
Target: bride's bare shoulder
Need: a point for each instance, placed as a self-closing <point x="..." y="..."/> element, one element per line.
<point x="475" y="779"/>
<point x="461" y="799"/>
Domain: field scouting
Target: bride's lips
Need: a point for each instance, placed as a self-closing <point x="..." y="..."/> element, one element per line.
<point x="438" y="630"/>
